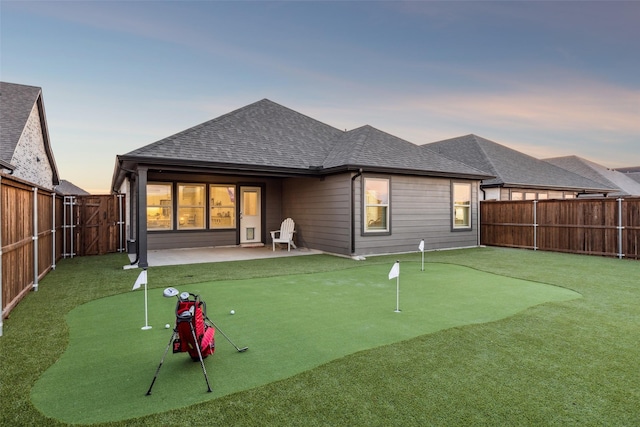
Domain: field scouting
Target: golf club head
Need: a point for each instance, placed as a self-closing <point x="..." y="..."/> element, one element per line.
<point x="170" y="292"/>
<point x="243" y="349"/>
<point x="184" y="296"/>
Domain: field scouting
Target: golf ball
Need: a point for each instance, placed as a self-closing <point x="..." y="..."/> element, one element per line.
<point x="167" y="326"/>
<point x="232" y="312"/>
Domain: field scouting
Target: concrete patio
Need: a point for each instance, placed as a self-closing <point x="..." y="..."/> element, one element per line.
<point x="157" y="258"/>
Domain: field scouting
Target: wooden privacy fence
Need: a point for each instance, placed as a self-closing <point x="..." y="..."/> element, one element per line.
<point x="606" y="227"/>
<point x="38" y="227"/>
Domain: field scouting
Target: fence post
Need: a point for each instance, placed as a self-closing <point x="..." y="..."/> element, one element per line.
<point x="535" y="225"/>
<point x="35" y="238"/>
<point x="1" y="289"/>
<point x="620" y="228"/>
<point x="53" y="230"/>
<point x="120" y="223"/>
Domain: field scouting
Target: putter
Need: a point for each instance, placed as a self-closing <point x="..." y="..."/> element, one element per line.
<point x="240" y="350"/>
<point x="172" y="292"/>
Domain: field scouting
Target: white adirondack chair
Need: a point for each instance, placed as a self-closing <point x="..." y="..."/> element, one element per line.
<point x="284" y="235"/>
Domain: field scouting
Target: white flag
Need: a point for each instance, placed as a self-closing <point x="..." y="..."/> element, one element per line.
<point x="141" y="280"/>
<point x="421" y="246"/>
<point x="395" y="271"/>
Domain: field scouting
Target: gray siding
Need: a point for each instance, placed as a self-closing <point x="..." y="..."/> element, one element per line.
<point x="420" y="209"/>
<point x="321" y="211"/>
<point x="190" y="239"/>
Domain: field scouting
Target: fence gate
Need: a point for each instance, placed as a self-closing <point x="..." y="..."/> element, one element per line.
<point x="96" y="224"/>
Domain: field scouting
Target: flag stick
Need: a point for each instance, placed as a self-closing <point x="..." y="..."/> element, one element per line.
<point x="142" y="279"/>
<point x="398" y="294"/>
<point x="146" y="317"/>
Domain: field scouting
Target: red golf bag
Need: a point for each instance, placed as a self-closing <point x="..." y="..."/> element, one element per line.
<point x="194" y="334"/>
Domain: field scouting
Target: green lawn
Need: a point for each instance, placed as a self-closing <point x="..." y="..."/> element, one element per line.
<point x="484" y="359"/>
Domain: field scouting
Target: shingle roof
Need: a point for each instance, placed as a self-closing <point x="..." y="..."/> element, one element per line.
<point x="510" y="167"/>
<point x="601" y="174"/>
<point x="68" y="188"/>
<point x="263" y="133"/>
<point x="369" y="147"/>
<point x="266" y="134"/>
<point x="16" y="103"/>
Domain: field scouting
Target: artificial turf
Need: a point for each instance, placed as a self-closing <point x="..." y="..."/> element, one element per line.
<point x="291" y="323"/>
<point x="561" y="363"/>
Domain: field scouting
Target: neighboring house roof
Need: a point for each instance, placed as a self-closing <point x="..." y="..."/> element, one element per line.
<point x="512" y="168"/>
<point x="632" y="172"/>
<point x="67" y="188"/>
<point x="609" y="177"/>
<point x="269" y="138"/>
<point x="16" y="104"/>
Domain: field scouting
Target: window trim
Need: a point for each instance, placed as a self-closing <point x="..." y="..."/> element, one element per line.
<point x="383" y="232"/>
<point x="171" y="206"/>
<point x="455" y="227"/>
<point x="203" y="206"/>
<point x="209" y="207"/>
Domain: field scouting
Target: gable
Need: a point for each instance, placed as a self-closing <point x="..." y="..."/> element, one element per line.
<point x="24" y="137"/>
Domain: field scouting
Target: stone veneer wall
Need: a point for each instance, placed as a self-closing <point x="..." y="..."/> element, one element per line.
<point x="30" y="158"/>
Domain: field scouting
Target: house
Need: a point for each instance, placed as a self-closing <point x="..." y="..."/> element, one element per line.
<point x="632" y="172"/>
<point x="25" y="148"/>
<point x="67" y="188"/>
<point x="625" y="185"/>
<point x="231" y="180"/>
<point x="517" y="176"/>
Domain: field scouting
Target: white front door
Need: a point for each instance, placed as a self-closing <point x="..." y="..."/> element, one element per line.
<point x="250" y="215"/>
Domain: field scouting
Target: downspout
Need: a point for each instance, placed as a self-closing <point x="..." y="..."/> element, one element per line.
<point x="353" y="212"/>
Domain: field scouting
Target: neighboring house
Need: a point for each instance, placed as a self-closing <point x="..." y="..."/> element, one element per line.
<point x="231" y="180"/>
<point x="595" y="172"/>
<point x="66" y="188"/>
<point x="517" y="176"/>
<point x="25" y="149"/>
<point x="632" y="172"/>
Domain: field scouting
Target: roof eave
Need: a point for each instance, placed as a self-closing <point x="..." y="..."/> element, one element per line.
<point x="553" y="187"/>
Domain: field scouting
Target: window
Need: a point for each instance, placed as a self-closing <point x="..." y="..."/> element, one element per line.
<point x="376" y="205"/>
<point x="159" y="207"/>
<point x="461" y="205"/>
<point x="517" y="195"/>
<point x="191" y="199"/>
<point x="222" y="207"/>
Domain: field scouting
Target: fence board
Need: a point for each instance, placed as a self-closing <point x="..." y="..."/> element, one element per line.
<point x="605" y="227"/>
<point x="97" y="228"/>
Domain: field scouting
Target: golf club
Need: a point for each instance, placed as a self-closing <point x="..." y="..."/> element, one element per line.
<point x="172" y="292"/>
<point x="240" y="350"/>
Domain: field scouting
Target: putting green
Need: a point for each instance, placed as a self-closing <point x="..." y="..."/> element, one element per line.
<point x="290" y="323"/>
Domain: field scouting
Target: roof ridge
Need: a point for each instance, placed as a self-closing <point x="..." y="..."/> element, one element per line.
<point x="488" y="158"/>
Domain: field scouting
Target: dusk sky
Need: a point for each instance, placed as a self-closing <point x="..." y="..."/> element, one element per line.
<point x="545" y="78"/>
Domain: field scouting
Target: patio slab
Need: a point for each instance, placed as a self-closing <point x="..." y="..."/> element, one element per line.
<point x="157" y="258"/>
